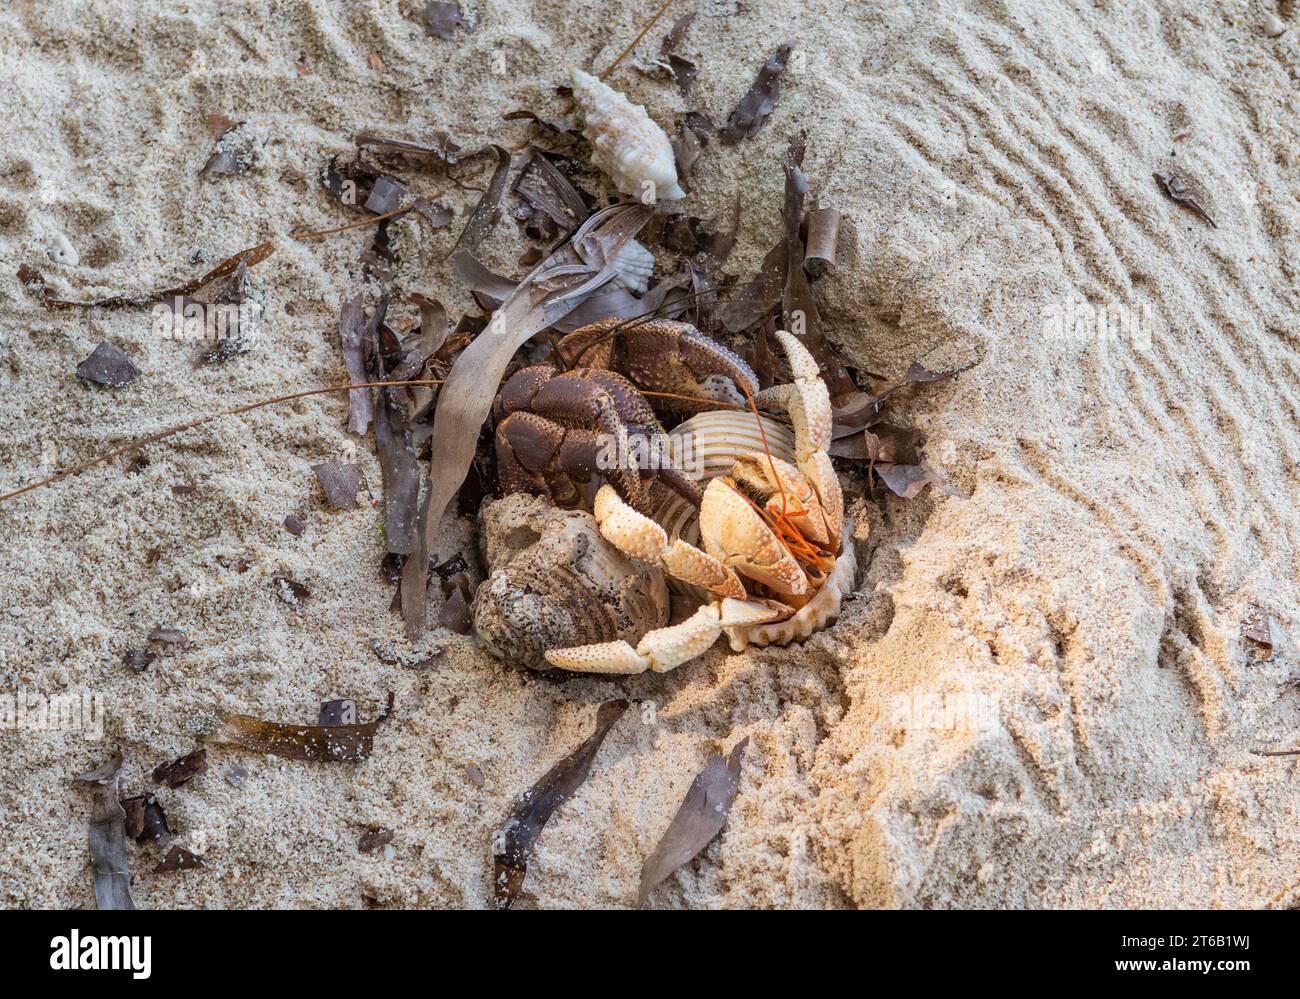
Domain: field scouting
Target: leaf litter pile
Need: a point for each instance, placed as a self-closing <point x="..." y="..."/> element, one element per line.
<point x="426" y="386"/>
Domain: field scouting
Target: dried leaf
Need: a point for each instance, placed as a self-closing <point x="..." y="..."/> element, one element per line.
<point x="291" y="591"/>
<point x="146" y="820"/>
<point x="294" y="525"/>
<point x="219" y="124"/>
<point x="455" y="614"/>
<point x="907" y="481"/>
<point x="760" y="99"/>
<point x="107" y="365"/>
<point x="516" y="841"/>
<point x="465" y="399"/>
<point x="179" y="859"/>
<point x="442" y="19"/>
<point x="138" y="659"/>
<point x="325" y="743"/>
<point x="684" y="73"/>
<point x="1176" y="190"/>
<point x="373" y="839"/>
<point x="488" y="210"/>
<point x="168" y="636"/>
<point x="400" y="473"/>
<point x="677" y="33"/>
<point x="225" y="162"/>
<point x="700" y="817"/>
<point x="823" y="234"/>
<point x="340" y="482"/>
<point x="352" y="328"/>
<point x="1256" y="627"/>
<point x="180" y="771"/>
<point x="107" y="834"/>
<point x="386" y="195"/>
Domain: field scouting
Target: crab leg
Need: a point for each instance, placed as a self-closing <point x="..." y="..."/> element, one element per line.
<point x="808" y="402"/>
<point x="667" y="648"/>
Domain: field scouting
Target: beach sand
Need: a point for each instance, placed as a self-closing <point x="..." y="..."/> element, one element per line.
<point x="1039" y="694"/>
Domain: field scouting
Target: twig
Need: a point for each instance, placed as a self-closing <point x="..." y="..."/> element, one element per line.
<point x="636" y="41"/>
<point x="199" y="421"/>
<point x="351" y="225"/>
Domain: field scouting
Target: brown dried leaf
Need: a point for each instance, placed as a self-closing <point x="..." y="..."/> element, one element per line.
<point x="759" y="100"/>
<point x="514" y="844"/>
<point x="294" y="525"/>
<point x="1257" y="628"/>
<point x="107" y="365"/>
<point x="373" y="839"/>
<point x="700" y="817"/>
<point x="179" y="771"/>
<point x="138" y="659"/>
<point x="400" y="473"/>
<point x="823" y="234"/>
<point x="145" y="819"/>
<point x="179" y="859"/>
<point x="352" y="329"/>
<point x="168" y="636"/>
<point x="907" y="481"/>
<point x="107" y="833"/>
<point x="325" y="743"/>
<point x="291" y="591"/>
<point x="1176" y="190"/>
<point x="340" y="482"/>
<point x="225" y="162"/>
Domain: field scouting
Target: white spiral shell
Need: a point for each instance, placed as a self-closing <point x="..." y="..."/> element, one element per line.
<point x="628" y="146"/>
<point x="636" y="265"/>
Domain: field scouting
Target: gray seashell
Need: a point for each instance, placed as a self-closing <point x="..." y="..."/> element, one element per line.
<point x="555" y="582"/>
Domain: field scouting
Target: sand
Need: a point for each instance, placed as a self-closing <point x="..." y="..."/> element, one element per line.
<point x="1038" y="695"/>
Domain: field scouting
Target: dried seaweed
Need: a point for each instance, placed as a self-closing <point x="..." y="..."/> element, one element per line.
<point x="700" y="817"/>
<point x="352" y="325"/>
<point x="465" y="398"/>
<point x="1176" y="190"/>
<point x="759" y="100"/>
<point x="107" y="365"/>
<point x="107" y="834"/>
<point x="324" y="743"/>
<point x="1256" y="628"/>
<point x="180" y="771"/>
<point x="340" y="482"/>
<point x="516" y="841"/>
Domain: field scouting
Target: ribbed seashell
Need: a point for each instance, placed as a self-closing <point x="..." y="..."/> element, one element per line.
<point x="636" y="265"/>
<point x="813" y="616"/>
<point x="706" y="446"/>
<point x="627" y="144"/>
<point x="554" y="582"/>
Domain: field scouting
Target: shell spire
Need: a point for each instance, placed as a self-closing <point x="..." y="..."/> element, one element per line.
<point x="628" y="146"/>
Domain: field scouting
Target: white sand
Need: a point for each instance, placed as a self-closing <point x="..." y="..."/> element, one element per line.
<point x="1038" y="697"/>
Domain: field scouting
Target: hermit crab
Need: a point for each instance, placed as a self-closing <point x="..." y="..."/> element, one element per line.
<point x="742" y="512"/>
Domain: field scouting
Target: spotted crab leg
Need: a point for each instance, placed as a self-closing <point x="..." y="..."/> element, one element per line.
<point x="808" y="402"/>
<point x="639" y="537"/>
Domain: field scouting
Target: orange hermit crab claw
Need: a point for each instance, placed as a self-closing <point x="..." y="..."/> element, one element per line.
<point x="735" y="534"/>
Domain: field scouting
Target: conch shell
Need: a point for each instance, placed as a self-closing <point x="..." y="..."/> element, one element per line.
<point x="555" y="582"/>
<point x="629" y="147"/>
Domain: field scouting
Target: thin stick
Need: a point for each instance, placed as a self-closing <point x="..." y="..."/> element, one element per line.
<point x="1277" y="752"/>
<point x="637" y="40"/>
<point x="351" y="225"/>
<point x="199" y="421"/>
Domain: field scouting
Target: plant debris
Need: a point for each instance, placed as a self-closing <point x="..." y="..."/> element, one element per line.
<point x="138" y="659"/>
<point x="1256" y="628"/>
<point x="107" y="833"/>
<point x="341" y="711"/>
<point x="146" y="820"/>
<point x="323" y="743"/>
<point x="294" y="525"/>
<point x="373" y="839"/>
<point x="1176" y="189"/>
<point x="179" y="859"/>
<point x="515" y="843"/>
<point x="107" y="365"/>
<point x="442" y="20"/>
<point x="823" y="234"/>
<point x="340" y="482"/>
<point x="180" y="771"/>
<point x="760" y="99"/>
<point x="168" y="636"/>
<point x="352" y="326"/>
<point x="700" y="817"/>
<point x="291" y="591"/>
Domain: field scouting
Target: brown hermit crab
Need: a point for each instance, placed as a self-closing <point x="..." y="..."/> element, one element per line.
<point x="755" y="530"/>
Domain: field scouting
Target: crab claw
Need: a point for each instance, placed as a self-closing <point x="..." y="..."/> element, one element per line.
<point x="808" y="402"/>
<point x="791" y="494"/>
<point x="667" y="648"/>
<point x="639" y="537"/>
<point x="735" y="535"/>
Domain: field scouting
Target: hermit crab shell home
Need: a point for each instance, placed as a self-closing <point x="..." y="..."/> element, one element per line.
<point x="627" y="144"/>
